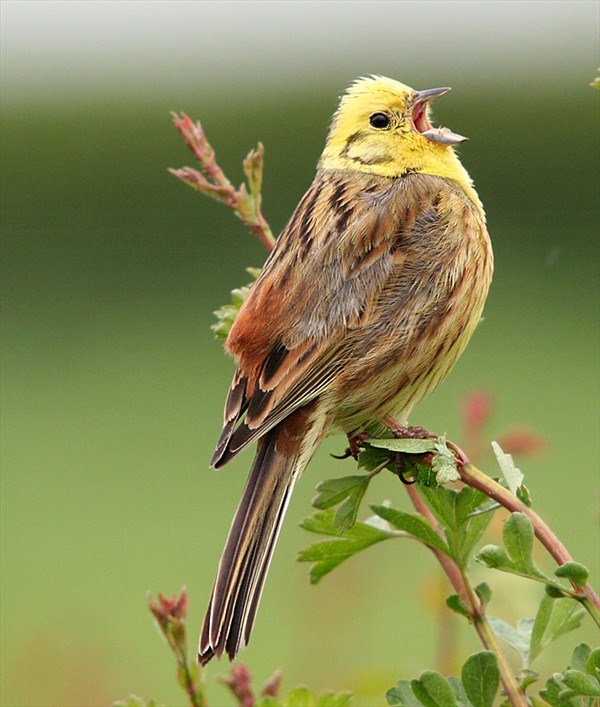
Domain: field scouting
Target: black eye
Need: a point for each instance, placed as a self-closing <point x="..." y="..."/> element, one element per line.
<point x="379" y="121"/>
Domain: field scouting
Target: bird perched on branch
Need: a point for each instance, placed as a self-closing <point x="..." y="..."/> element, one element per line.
<point x="367" y="300"/>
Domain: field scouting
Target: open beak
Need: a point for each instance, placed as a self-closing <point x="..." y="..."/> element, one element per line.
<point x="442" y="136"/>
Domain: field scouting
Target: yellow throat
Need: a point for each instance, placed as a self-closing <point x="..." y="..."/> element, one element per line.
<point x="382" y="127"/>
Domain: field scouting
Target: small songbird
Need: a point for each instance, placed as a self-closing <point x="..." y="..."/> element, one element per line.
<point x="367" y="300"/>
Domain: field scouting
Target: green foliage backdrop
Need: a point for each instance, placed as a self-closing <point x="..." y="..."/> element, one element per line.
<point x="113" y="385"/>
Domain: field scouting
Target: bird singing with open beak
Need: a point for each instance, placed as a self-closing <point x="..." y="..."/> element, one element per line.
<point x="367" y="300"/>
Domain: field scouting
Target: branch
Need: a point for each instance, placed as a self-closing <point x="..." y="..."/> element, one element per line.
<point x="245" y="201"/>
<point x="474" y="477"/>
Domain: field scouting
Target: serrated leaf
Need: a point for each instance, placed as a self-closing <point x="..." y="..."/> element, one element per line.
<point x="406" y="445"/>
<point x="433" y="690"/>
<point x="350" y="490"/>
<point x="553" y="619"/>
<point x="299" y="697"/>
<point x="444" y="465"/>
<point x="334" y="699"/>
<point x="518" y="638"/>
<point x="456" y="604"/>
<point x="480" y="678"/>
<point x="329" y="554"/>
<point x="402" y="695"/>
<point x="442" y="502"/>
<point x="574" y="572"/>
<point x="512" y="475"/>
<point x="370" y="458"/>
<point x="484" y="592"/>
<point x="415" y="525"/>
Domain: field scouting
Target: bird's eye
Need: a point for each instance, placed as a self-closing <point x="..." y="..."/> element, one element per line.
<point x="379" y="121"/>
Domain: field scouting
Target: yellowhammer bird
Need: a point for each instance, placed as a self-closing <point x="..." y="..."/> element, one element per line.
<point x="369" y="297"/>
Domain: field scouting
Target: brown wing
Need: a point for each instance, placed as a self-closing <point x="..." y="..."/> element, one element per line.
<point x="339" y="251"/>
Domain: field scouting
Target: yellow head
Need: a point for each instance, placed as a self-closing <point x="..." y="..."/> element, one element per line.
<point x="382" y="127"/>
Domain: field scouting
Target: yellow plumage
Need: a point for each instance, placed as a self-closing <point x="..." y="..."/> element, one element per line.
<point x="366" y="302"/>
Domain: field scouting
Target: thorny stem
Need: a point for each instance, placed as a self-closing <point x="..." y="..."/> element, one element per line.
<point x="460" y="582"/>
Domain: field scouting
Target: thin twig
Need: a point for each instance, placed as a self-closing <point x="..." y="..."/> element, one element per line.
<point x="460" y="582"/>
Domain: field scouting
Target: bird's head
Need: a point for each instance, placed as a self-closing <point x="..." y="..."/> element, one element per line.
<point x="382" y="127"/>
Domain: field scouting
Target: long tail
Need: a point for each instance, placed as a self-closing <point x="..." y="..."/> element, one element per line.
<point x="281" y="457"/>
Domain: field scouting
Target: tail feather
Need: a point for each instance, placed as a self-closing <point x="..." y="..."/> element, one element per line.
<point x="281" y="456"/>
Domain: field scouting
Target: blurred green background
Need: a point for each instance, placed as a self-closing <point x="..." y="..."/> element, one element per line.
<point x="113" y="385"/>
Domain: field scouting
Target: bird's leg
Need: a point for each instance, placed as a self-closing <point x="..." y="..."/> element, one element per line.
<point x="408" y="432"/>
<point x="401" y="469"/>
<point x="353" y="447"/>
<point x="403" y="432"/>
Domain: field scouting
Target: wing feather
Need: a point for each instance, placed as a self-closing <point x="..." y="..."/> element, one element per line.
<point x="332" y="267"/>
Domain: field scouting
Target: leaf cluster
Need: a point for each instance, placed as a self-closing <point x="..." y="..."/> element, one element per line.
<point x="476" y="687"/>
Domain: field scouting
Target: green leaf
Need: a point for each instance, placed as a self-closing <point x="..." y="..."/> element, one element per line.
<point x="580" y="656"/>
<point x="334" y="699"/>
<point x="444" y="464"/>
<point x="268" y="701"/>
<point x="518" y="638"/>
<point x="518" y="535"/>
<point x="555" y="592"/>
<point x="494" y="557"/>
<point x="467" y="502"/>
<point x="554" y="687"/>
<point x="459" y="691"/>
<point x="553" y="619"/>
<point x="227" y="313"/>
<point x="457" y="605"/>
<point x="370" y="458"/>
<point x="471" y="535"/>
<point x="480" y="678"/>
<point x="524" y="495"/>
<point x="574" y="572"/>
<point x="402" y="695"/>
<point x="299" y="697"/>
<point x="512" y="475"/>
<point x="442" y="502"/>
<point x="484" y="592"/>
<point x="415" y="525"/>
<point x="592" y="666"/>
<point x="433" y="690"/>
<point x="406" y="445"/>
<point x="518" y="538"/>
<point x="580" y="684"/>
<point x="329" y="554"/>
<point x="333" y="491"/>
